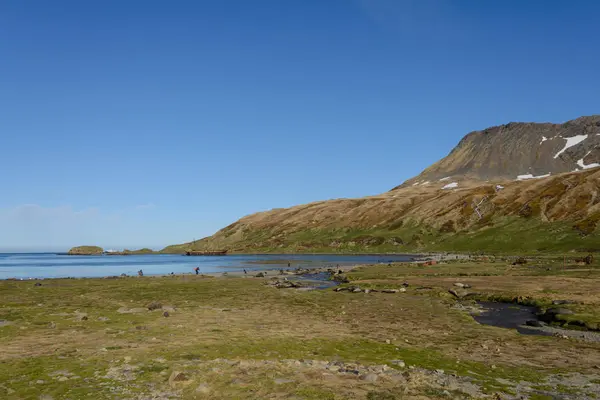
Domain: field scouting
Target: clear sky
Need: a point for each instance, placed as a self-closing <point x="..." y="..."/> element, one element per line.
<point x="147" y="123"/>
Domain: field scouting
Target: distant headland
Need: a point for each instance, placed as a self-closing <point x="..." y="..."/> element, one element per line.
<point x="97" y="251"/>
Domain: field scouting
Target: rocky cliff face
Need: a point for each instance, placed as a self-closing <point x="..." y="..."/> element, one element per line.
<point x="519" y="151"/>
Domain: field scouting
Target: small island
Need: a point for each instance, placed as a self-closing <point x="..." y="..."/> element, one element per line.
<point x="86" y="251"/>
<point x="128" y="252"/>
<point x="99" y="251"/>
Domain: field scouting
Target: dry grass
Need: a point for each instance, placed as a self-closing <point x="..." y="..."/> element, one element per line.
<point x="242" y="319"/>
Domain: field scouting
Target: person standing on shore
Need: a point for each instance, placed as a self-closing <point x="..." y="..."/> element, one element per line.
<point x="197" y="269"/>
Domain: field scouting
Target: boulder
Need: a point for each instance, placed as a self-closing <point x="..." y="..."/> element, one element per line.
<point x="561" y="302"/>
<point x="177" y="376"/>
<point x="462" y="285"/>
<point x="155" y="305"/>
<point x="369" y="378"/>
<point x="389" y="290"/>
<point x="260" y="275"/>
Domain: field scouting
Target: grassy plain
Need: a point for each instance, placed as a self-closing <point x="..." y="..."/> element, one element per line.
<point x="235" y="337"/>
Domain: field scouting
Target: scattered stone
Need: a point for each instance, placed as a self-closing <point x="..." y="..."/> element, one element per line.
<point x="37" y="284"/>
<point x="4" y="322"/>
<point x="367" y="291"/>
<point x="282" y="381"/>
<point x="155" y="305"/>
<point x="166" y="314"/>
<point x="260" y="275"/>
<point x="356" y="290"/>
<point x="561" y="302"/>
<point x="203" y="388"/>
<point x="125" y="310"/>
<point x="439" y="371"/>
<point x="177" y="376"/>
<point x="63" y="379"/>
<point x="388" y="341"/>
<point x="520" y="261"/>
<point x="402" y="290"/>
<point x="40" y="382"/>
<point x="370" y="378"/>
<point x="83" y="318"/>
<point x="141" y="328"/>
<point x="405" y="284"/>
<point x="399" y="363"/>
<point x="557" y="311"/>
<point x="462" y="285"/>
<point x="104" y="319"/>
<point x="389" y="290"/>
<point x="283" y="283"/>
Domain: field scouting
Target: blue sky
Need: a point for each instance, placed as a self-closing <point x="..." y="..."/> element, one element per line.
<point x="147" y="123"/>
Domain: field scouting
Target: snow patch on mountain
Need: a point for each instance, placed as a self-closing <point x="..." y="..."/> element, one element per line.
<point x="530" y="176"/>
<point x="451" y="185"/>
<point x="584" y="166"/>
<point x="572" y="141"/>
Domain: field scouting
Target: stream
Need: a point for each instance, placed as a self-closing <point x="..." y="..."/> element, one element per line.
<point x="510" y="316"/>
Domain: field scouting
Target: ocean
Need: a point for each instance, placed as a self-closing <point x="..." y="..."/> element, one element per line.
<point x="53" y="265"/>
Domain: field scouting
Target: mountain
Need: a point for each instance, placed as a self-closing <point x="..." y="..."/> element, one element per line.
<point x="520" y="151"/>
<point x="482" y="197"/>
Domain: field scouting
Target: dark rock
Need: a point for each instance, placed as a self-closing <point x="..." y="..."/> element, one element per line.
<point x="37" y="284"/>
<point x="520" y="261"/>
<point x="389" y="290"/>
<point x="177" y="376"/>
<point x="166" y="314"/>
<point x="535" y="323"/>
<point x="561" y="302"/>
<point x="558" y="310"/>
<point x="341" y="278"/>
<point x="260" y="275"/>
<point x="155" y="305"/>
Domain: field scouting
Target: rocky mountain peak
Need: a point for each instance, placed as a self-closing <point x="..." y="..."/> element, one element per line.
<point x="518" y="151"/>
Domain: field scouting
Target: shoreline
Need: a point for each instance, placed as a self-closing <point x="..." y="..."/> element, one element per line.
<point x="251" y="273"/>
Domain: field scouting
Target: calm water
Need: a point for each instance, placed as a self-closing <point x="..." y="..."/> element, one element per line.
<point x="51" y="265"/>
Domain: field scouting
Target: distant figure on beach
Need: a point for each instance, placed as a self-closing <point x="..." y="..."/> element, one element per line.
<point x="245" y="272"/>
<point x="197" y="269"/>
<point x="140" y="273"/>
<point x="289" y="265"/>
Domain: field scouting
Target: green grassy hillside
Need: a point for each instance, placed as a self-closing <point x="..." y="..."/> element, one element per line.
<point x="556" y="214"/>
